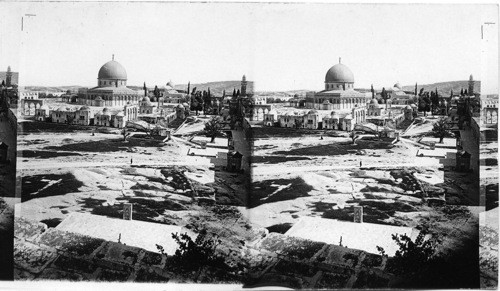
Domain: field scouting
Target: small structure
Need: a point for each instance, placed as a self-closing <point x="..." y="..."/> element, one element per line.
<point x="358" y="214"/>
<point x="463" y="161"/>
<point x="234" y="162"/>
<point x="4" y="149"/>
<point x="42" y="113"/>
<point x="127" y="211"/>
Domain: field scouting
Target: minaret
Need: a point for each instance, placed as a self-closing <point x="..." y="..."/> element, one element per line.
<point x="8" y="77"/>
<point x="243" y="86"/>
<point x="471" y="86"/>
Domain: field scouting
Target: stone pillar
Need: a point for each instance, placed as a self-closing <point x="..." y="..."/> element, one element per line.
<point x="127" y="211"/>
<point x="358" y="214"/>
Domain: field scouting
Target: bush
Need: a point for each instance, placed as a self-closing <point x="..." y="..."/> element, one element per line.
<point x="412" y="255"/>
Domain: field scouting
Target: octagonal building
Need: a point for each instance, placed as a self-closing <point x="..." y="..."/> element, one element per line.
<point x="111" y="88"/>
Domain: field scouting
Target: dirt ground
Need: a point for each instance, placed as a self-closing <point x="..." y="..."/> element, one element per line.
<point x="325" y="175"/>
<point x="69" y="169"/>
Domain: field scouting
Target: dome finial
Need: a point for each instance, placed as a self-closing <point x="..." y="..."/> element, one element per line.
<point x="340" y="60"/>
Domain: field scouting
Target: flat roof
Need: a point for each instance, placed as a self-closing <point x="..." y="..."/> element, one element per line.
<point x="361" y="236"/>
<point x="145" y="235"/>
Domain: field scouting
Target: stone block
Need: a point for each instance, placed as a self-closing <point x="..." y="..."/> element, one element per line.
<point x="28" y="229"/>
<point x="69" y="242"/>
<point x="32" y="257"/>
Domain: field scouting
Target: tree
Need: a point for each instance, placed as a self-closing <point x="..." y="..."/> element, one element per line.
<point x="373" y="92"/>
<point x="441" y="129"/>
<point x="213" y="127"/>
<point x="434" y="101"/>
<point x="466" y="93"/>
<point x="189" y="86"/>
<point x="156" y="92"/>
<point x="145" y="89"/>
<point x="415" y="89"/>
<point x="462" y="92"/>
<point x="234" y="92"/>
<point x="195" y="255"/>
<point x="412" y="256"/>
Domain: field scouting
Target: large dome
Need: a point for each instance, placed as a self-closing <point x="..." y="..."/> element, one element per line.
<point x="112" y="70"/>
<point x="339" y="73"/>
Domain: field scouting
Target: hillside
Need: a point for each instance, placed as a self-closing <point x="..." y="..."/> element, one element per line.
<point x="53" y="89"/>
<point x="216" y="88"/>
<point x="444" y="88"/>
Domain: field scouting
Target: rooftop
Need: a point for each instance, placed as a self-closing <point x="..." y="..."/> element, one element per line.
<point x="361" y="236"/>
<point x="135" y="233"/>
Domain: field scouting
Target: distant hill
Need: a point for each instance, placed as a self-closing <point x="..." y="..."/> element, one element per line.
<point x="52" y="89"/>
<point x="301" y="92"/>
<point x="15" y="77"/>
<point x="216" y="88"/>
<point x="444" y="88"/>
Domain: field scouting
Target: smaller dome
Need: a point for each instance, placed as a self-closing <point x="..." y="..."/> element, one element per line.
<point x="105" y="109"/>
<point x="312" y="112"/>
<point x="180" y="106"/>
<point x="146" y="99"/>
<point x="99" y="98"/>
<point x="170" y="84"/>
<point x="84" y="108"/>
<point x="374" y="101"/>
<point x="326" y="102"/>
<point x="397" y="85"/>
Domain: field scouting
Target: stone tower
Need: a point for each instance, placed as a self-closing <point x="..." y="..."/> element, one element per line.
<point x="8" y="77"/>
<point x="471" y="86"/>
<point x="243" y="92"/>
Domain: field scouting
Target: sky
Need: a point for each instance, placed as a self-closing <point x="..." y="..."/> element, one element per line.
<point x="278" y="46"/>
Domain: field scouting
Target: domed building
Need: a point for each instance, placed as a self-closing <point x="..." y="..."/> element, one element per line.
<point x="339" y="91"/>
<point x="111" y="88"/>
<point x="339" y="95"/>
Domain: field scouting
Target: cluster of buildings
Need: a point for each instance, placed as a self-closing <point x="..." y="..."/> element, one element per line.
<point x="111" y="103"/>
<point x="339" y="106"/>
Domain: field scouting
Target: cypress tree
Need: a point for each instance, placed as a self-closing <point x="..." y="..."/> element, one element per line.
<point x="234" y="92"/>
<point x="189" y="85"/>
<point x="145" y="89"/>
<point x="416" y="89"/>
<point x="373" y="92"/>
<point x="462" y="92"/>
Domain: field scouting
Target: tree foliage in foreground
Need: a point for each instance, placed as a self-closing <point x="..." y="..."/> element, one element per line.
<point x="412" y="255"/>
